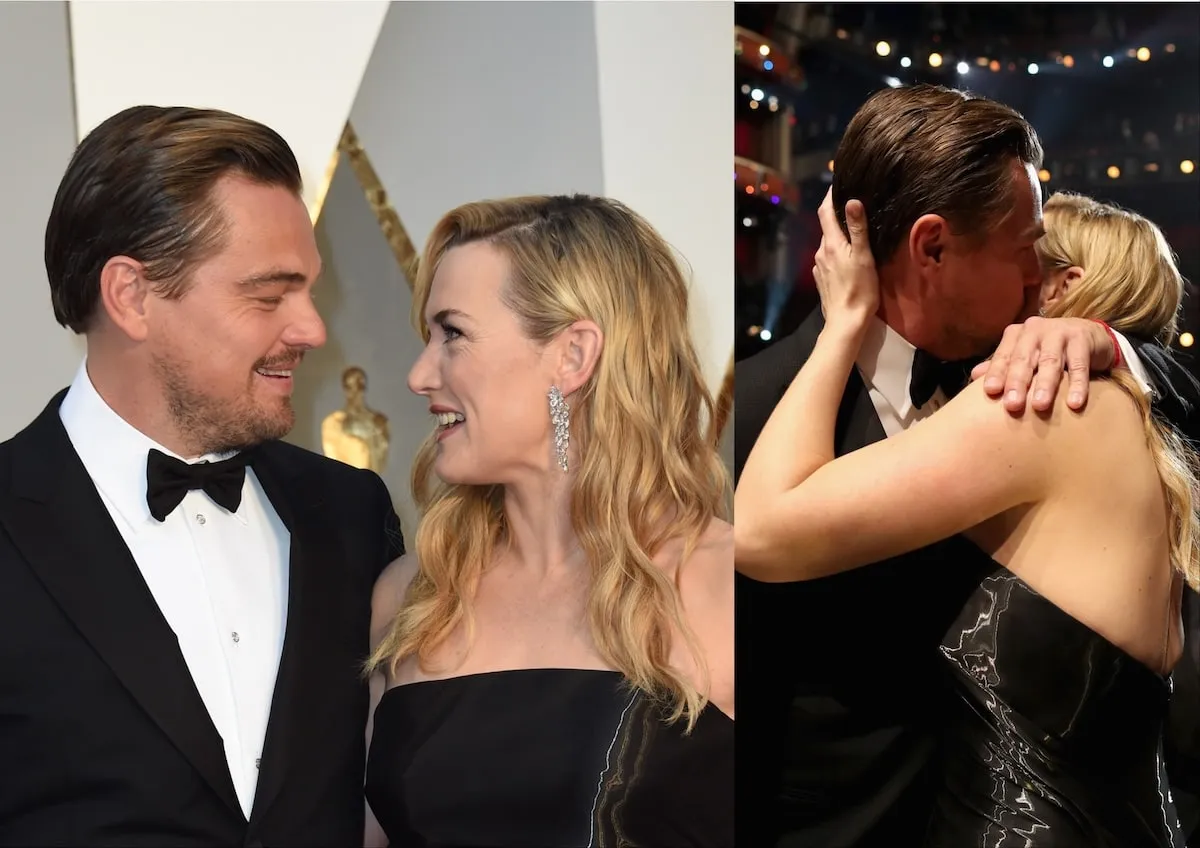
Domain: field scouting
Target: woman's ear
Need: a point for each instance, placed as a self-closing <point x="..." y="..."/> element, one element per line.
<point x="1059" y="284"/>
<point x="578" y="349"/>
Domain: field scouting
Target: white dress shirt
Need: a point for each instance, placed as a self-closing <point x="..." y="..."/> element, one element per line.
<point x="219" y="578"/>
<point x="885" y="363"/>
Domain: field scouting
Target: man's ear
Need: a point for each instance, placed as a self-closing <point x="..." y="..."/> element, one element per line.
<point x="125" y="294"/>
<point x="927" y="241"/>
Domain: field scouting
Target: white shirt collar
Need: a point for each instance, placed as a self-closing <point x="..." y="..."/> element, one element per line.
<point x="112" y="450"/>
<point x="885" y="361"/>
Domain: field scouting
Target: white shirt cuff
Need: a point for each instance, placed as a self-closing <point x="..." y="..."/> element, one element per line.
<point x="1135" y="365"/>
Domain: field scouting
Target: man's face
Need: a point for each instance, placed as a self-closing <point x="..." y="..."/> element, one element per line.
<point x="981" y="288"/>
<point x="225" y="351"/>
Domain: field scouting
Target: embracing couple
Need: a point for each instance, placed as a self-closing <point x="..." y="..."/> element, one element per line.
<point x="211" y="637"/>
<point x="959" y="614"/>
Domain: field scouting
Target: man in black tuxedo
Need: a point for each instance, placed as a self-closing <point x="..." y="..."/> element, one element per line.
<point x="839" y="688"/>
<point x="184" y="599"/>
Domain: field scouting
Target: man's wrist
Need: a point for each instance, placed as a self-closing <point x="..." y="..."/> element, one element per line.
<point x="1110" y="339"/>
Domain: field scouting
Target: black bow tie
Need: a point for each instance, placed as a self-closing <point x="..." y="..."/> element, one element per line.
<point x="168" y="479"/>
<point x="930" y="373"/>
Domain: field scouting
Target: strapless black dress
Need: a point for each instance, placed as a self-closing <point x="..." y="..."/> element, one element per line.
<point x="1055" y="734"/>
<point x="546" y="758"/>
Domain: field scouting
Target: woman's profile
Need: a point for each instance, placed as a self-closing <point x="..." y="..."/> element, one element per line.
<point x="553" y="663"/>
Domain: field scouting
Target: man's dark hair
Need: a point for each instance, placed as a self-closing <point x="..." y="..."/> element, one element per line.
<point x="923" y="149"/>
<point x="140" y="185"/>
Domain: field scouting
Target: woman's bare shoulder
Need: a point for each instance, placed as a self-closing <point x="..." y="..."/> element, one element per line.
<point x="388" y="595"/>
<point x="710" y="561"/>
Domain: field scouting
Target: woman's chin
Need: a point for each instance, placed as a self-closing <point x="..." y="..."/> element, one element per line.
<point x="452" y="473"/>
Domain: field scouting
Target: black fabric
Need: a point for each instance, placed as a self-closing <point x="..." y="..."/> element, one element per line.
<point x="553" y="758"/>
<point x="1177" y="402"/>
<point x="1055" y="735"/>
<point x="839" y="690"/>
<point x="930" y="373"/>
<point x="168" y="479"/>
<point x="104" y="739"/>
<point x="1176" y="391"/>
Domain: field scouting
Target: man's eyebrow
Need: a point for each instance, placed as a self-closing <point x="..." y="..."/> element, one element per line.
<point x="272" y="277"/>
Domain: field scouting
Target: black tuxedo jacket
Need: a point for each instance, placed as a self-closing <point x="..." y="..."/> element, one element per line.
<point x="104" y="739"/>
<point x="840" y="691"/>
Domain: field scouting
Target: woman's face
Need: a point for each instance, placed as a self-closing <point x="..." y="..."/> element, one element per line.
<point x="485" y="380"/>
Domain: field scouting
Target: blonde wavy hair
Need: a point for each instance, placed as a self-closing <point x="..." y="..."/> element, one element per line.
<point x="1132" y="283"/>
<point x="649" y="470"/>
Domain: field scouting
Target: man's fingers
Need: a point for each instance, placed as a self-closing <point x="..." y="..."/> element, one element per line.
<point x="980" y="369"/>
<point x="997" y="370"/>
<point x="1078" y="362"/>
<point x="1047" y="378"/>
<point x="1021" y="368"/>
<point x="1016" y="386"/>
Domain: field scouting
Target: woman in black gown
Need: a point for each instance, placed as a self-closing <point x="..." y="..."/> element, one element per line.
<point x="554" y="662"/>
<point x="1059" y="661"/>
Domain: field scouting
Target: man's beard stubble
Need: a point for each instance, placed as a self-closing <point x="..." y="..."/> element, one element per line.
<point x="217" y="426"/>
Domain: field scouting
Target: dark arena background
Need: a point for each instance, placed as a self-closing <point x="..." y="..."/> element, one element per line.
<point x="1113" y="89"/>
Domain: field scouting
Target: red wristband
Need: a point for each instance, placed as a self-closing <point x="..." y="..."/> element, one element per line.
<point x="1116" y="345"/>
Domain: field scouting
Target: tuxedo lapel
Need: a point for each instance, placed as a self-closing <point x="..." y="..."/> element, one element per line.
<point x="58" y="522"/>
<point x="858" y="421"/>
<point x="312" y="545"/>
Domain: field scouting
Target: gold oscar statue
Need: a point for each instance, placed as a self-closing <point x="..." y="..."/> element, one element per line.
<point x="356" y="435"/>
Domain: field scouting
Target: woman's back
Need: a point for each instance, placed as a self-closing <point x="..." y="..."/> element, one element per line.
<point x="1057" y="661"/>
<point x="1097" y="545"/>
<point x="1053" y="734"/>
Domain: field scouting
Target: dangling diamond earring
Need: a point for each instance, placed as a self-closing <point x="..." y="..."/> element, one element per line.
<point x="560" y="415"/>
